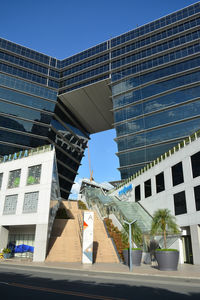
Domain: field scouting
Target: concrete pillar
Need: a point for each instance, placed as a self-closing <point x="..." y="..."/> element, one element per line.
<point x="3" y="237"/>
<point x="40" y="248"/>
<point x="195" y="237"/>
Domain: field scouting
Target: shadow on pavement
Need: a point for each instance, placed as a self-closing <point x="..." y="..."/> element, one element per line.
<point x="15" y="285"/>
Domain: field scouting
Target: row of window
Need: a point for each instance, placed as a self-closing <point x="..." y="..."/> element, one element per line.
<point x="85" y="65"/>
<point x="23" y="63"/>
<point x="29" y="206"/>
<point x="167" y="133"/>
<point x="158" y="61"/>
<point x="177" y="178"/>
<point x="159" y="103"/>
<point x="188" y="11"/>
<point x="85" y="75"/>
<point x="24" y="51"/>
<point x="25" y="74"/>
<point x="157" y="49"/>
<point x="33" y="177"/>
<point x="85" y="54"/>
<point x="18" y="84"/>
<point x="27" y="100"/>
<point x="84" y="84"/>
<point x="156" y="37"/>
<point x="157" y="119"/>
<point x="159" y="87"/>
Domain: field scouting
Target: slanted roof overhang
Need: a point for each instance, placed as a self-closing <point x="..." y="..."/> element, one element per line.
<point x="92" y="105"/>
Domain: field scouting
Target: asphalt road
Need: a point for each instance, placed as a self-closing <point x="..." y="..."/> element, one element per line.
<point x="49" y="283"/>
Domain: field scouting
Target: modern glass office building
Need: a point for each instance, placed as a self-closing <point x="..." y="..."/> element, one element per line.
<point x="144" y="83"/>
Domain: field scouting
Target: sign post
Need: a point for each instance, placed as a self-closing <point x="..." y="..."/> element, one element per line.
<point x="87" y="246"/>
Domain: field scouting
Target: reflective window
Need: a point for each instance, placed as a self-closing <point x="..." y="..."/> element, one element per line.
<point x="160" y="135"/>
<point x="158" y="86"/>
<point x="30" y="202"/>
<point x="157" y="104"/>
<point x="85" y="54"/>
<point x="24" y="51"/>
<point x="23" y="112"/>
<point x="15" y="83"/>
<point x="84" y="84"/>
<point x="160" y="182"/>
<point x="34" y="174"/>
<point x="147" y="188"/>
<point x="84" y="65"/>
<point x="21" y="139"/>
<point x="159" y="48"/>
<point x="144" y="155"/>
<point x="85" y="75"/>
<point x="180" y="203"/>
<point x="21" y="125"/>
<point x="21" y="73"/>
<point x="177" y="174"/>
<point x="14" y="179"/>
<point x="197" y="196"/>
<point x="23" y="63"/>
<point x="1" y="178"/>
<point x="195" y="160"/>
<point x="10" y="205"/>
<point x="179" y="15"/>
<point x="165" y="117"/>
<point x="27" y="100"/>
<point x="137" y="193"/>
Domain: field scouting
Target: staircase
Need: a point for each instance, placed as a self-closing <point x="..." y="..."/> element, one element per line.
<point x="65" y="245"/>
<point x="103" y="249"/>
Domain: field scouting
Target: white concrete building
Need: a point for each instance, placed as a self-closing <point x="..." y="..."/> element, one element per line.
<point x="172" y="181"/>
<point x="29" y="199"/>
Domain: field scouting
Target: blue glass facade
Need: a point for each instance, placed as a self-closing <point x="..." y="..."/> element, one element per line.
<point x="154" y="74"/>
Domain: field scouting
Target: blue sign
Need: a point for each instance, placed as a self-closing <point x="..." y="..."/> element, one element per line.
<point x="125" y="190"/>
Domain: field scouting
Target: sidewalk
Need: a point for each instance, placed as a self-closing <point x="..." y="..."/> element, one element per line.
<point x="184" y="271"/>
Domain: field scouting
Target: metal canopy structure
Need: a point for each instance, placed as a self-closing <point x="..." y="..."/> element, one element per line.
<point x="91" y="105"/>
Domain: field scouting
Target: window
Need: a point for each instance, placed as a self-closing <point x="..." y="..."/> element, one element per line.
<point x="147" y="188"/>
<point x="14" y="179"/>
<point x="34" y="173"/>
<point x="30" y="202"/>
<point x="177" y="174"/>
<point x="1" y="177"/>
<point x="197" y="196"/>
<point x="195" y="160"/>
<point x="180" y="203"/>
<point x="137" y="193"/>
<point x="160" y="182"/>
<point x="10" y="205"/>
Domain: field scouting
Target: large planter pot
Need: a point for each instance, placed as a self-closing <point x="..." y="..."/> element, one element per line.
<point x="7" y="255"/>
<point x="167" y="260"/>
<point x="136" y="257"/>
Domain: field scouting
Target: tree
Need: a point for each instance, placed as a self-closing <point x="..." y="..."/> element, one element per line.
<point x="136" y="233"/>
<point x="163" y="222"/>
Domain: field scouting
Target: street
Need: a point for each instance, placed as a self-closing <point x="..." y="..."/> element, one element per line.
<point x="51" y="283"/>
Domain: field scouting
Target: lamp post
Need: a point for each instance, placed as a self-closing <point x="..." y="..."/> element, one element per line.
<point x="130" y="243"/>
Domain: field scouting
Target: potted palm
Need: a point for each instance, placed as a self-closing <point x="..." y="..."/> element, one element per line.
<point x="136" y="253"/>
<point x="163" y="222"/>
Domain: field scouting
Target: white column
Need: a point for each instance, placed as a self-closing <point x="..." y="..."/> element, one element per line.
<point x="40" y="245"/>
<point x="3" y="237"/>
<point x="195" y="237"/>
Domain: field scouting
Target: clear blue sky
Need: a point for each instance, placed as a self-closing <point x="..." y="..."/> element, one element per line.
<point x="62" y="28"/>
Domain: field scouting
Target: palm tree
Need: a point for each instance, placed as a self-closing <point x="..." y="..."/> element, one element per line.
<point x="136" y="233"/>
<point x="164" y="222"/>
